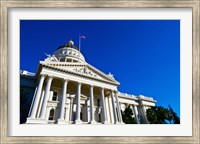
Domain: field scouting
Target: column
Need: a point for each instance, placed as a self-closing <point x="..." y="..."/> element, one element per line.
<point x="62" y="107"/>
<point x="107" y="109"/>
<point x="29" y="113"/>
<point x="88" y="110"/>
<point x="67" y="113"/>
<point x="114" y="109"/>
<point x="46" y="96"/>
<point x="111" y="110"/>
<point x="47" y="112"/>
<point x="78" y="98"/>
<point x="91" y="105"/>
<point x="71" y="109"/>
<point x="144" y="114"/>
<point x="37" y="97"/>
<point x="40" y="104"/>
<point x="103" y="106"/>
<point x="118" y="109"/>
<point x="136" y="113"/>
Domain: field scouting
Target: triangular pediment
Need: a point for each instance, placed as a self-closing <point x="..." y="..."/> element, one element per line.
<point x="85" y="70"/>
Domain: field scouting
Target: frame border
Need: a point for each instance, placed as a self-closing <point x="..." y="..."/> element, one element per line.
<point x="194" y="4"/>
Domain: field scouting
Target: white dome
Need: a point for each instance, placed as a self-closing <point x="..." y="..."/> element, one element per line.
<point x="69" y="53"/>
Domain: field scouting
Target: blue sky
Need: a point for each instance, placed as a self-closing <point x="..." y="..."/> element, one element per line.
<point x="143" y="55"/>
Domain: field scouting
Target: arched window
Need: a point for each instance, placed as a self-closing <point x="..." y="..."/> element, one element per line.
<point x="51" y="115"/>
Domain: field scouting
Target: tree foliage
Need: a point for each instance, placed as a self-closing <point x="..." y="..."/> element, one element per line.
<point x="161" y="115"/>
<point x="127" y="116"/>
<point x="174" y="118"/>
<point x="24" y="106"/>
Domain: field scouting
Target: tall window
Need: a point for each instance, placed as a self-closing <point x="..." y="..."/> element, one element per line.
<point x="51" y="115"/>
<point x="54" y="98"/>
<point x="81" y="116"/>
<point x="98" y="102"/>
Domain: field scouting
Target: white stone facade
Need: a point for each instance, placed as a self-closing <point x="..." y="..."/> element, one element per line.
<point x="71" y="91"/>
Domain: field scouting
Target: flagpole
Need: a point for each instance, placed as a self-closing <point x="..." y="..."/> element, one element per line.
<point x="80" y="37"/>
<point x="79" y="43"/>
<point x="79" y="47"/>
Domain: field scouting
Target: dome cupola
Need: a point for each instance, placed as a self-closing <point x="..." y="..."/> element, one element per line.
<point x="68" y="53"/>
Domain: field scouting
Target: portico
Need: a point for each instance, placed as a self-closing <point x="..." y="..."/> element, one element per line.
<point x="71" y="91"/>
<point x="74" y="99"/>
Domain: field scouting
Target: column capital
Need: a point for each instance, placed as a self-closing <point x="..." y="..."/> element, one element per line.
<point x="43" y="75"/>
<point x="51" y="76"/>
<point x="102" y="88"/>
<point x="65" y="79"/>
<point x="91" y="85"/>
<point x="115" y="92"/>
<point x="79" y="83"/>
<point x="112" y="91"/>
<point x="91" y="88"/>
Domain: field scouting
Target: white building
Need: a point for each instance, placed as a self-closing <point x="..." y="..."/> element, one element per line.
<point x="71" y="91"/>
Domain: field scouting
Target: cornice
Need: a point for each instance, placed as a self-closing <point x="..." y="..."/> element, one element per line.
<point x="76" y="74"/>
<point x="81" y="64"/>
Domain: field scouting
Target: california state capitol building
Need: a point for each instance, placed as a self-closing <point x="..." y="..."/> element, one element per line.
<point x="68" y="90"/>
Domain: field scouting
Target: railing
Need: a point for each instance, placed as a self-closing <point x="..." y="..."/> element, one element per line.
<point x="145" y="97"/>
<point x="140" y="96"/>
<point x="24" y="72"/>
<point x="125" y="94"/>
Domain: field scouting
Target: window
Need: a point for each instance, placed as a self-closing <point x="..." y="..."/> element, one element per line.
<point x="64" y="52"/>
<point x="81" y="116"/>
<point x="99" y="117"/>
<point x="98" y="102"/>
<point x="51" y="115"/>
<point x="54" y="98"/>
<point x="65" y="111"/>
<point x="62" y="60"/>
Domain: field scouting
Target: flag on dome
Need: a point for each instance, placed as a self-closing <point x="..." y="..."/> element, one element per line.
<point x="82" y="36"/>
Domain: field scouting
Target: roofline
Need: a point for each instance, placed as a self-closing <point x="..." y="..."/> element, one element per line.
<point x="98" y="71"/>
<point x="70" y="72"/>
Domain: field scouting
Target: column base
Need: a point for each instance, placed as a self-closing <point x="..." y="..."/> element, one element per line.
<point x="105" y="122"/>
<point x="121" y="123"/>
<point x="77" y="122"/>
<point x="62" y="121"/>
<point x="30" y="120"/>
<point x="117" y="123"/>
<point x="92" y="122"/>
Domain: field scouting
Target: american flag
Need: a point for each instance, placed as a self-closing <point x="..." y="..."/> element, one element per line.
<point x="82" y="37"/>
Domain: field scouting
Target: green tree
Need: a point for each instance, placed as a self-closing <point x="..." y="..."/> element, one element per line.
<point x="157" y="115"/>
<point x="161" y="115"/>
<point x="174" y="118"/>
<point x="127" y="116"/>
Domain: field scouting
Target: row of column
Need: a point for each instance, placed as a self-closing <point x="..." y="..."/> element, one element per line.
<point x="64" y="92"/>
<point x="104" y="112"/>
